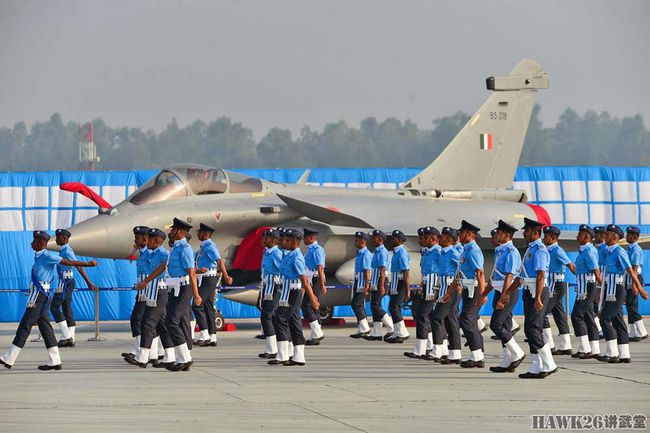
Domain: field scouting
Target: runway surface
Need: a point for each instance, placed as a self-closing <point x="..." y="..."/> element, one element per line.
<point x="347" y="386"/>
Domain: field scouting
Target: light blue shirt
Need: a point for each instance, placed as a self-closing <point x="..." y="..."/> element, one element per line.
<point x="602" y="253"/>
<point x="587" y="259"/>
<point x="537" y="259"/>
<point x="471" y="260"/>
<point x="380" y="258"/>
<point x="401" y="260"/>
<point x="449" y="260"/>
<point x="293" y="265"/>
<point x="156" y="258"/>
<point x="559" y="259"/>
<point x="635" y="253"/>
<point x="459" y="247"/>
<point x="181" y="259"/>
<point x="67" y="253"/>
<point x="44" y="267"/>
<point x="363" y="260"/>
<point x="430" y="260"/>
<point x="314" y="257"/>
<point x="142" y="262"/>
<point x="508" y="261"/>
<point x="271" y="261"/>
<point x="617" y="260"/>
<point x="207" y="255"/>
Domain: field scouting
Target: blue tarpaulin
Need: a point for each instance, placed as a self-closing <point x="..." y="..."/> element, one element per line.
<point x="31" y="201"/>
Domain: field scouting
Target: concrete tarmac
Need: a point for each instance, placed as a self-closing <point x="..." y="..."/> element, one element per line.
<point x="347" y="386"/>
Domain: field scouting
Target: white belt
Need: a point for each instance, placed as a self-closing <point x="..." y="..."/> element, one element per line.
<point x="212" y="272"/>
<point x="268" y="284"/>
<point x="530" y="284"/>
<point x="65" y="276"/>
<point x="628" y="278"/>
<point x="581" y="287"/>
<point x="431" y="288"/>
<point x="175" y="283"/>
<point x="152" y="292"/>
<point x="497" y="285"/>
<point x="445" y="281"/>
<point x="141" y="294"/>
<point x="557" y="277"/>
<point x="287" y="286"/>
<point x="395" y="278"/>
<point x="470" y="284"/>
<point x="613" y="280"/>
<point x="33" y="293"/>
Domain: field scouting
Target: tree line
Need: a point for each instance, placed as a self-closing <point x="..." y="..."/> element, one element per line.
<point x="576" y="139"/>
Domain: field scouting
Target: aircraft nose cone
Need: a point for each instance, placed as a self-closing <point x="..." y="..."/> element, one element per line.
<point x="93" y="238"/>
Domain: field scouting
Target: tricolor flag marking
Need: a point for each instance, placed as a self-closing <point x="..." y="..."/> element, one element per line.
<point x="486" y="141"/>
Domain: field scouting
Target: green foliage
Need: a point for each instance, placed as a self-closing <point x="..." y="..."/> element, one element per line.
<point x="588" y="139"/>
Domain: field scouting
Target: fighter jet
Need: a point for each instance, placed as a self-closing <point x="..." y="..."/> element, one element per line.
<point x="471" y="179"/>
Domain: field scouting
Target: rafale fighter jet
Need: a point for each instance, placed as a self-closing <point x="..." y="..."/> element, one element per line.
<point x="471" y="179"/>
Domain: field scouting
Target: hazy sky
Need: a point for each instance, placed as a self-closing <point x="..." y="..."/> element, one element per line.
<point x="294" y="63"/>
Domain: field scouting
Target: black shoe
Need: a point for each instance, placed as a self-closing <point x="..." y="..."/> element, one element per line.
<point x="581" y="355"/>
<point x="525" y="340"/>
<point x="267" y="355"/>
<point x="291" y="363"/>
<point x="514" y="364"/>
<point x="360" y="335"/>
<point x="562" y="352"/>
<point x="387" y="337"/>
<point x="371" y="338"/>
<point x="314" y="342"/>
<point x="645" y="337"/>
<point x="276" y="362"/>
<point x="450" y="361"/>
<point x="394" y="340"/>
<point x="161" y="357"/>
<point x="5" y="365"/>
<point x="514" y="331"/>
<point x="154" y="362"/>
<point x="607" y="359"/>
<point x="165" y="365"/>
<point x="429" y="357"/>
<point x="485" y="328"/>
<point x="261" y="337"/>
<point x="494" y="337"/>
<point x="127" y="355"/>
<point x="180" y="366"/>
<point x="472" y="364"/>
<point x="66" y="343"/>
<point x="208" y="343"/>
<point x="199" y="342"/>
<point x="50" y="367"/>
<point x="133" y="361"/>
<point x="635" y="339"/>
<point x="499" y="369"/>
<point x="529" y="375"/>
<point x="624" y="360"/>
<point x="412" y="355"/>
<point x="548" y="373"/>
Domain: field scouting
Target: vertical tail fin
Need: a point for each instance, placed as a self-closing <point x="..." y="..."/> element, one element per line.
<point x="488" y="147"/>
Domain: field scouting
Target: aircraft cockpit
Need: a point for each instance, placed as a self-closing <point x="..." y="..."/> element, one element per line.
<point x="184" y="180"/>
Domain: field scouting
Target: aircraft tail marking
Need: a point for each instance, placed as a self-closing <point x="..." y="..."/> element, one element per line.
<point x="488" y="147"/>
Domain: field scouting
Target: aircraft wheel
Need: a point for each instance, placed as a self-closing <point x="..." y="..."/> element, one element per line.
<point x="219" y="321"/>
<point x="326" y="314"/>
